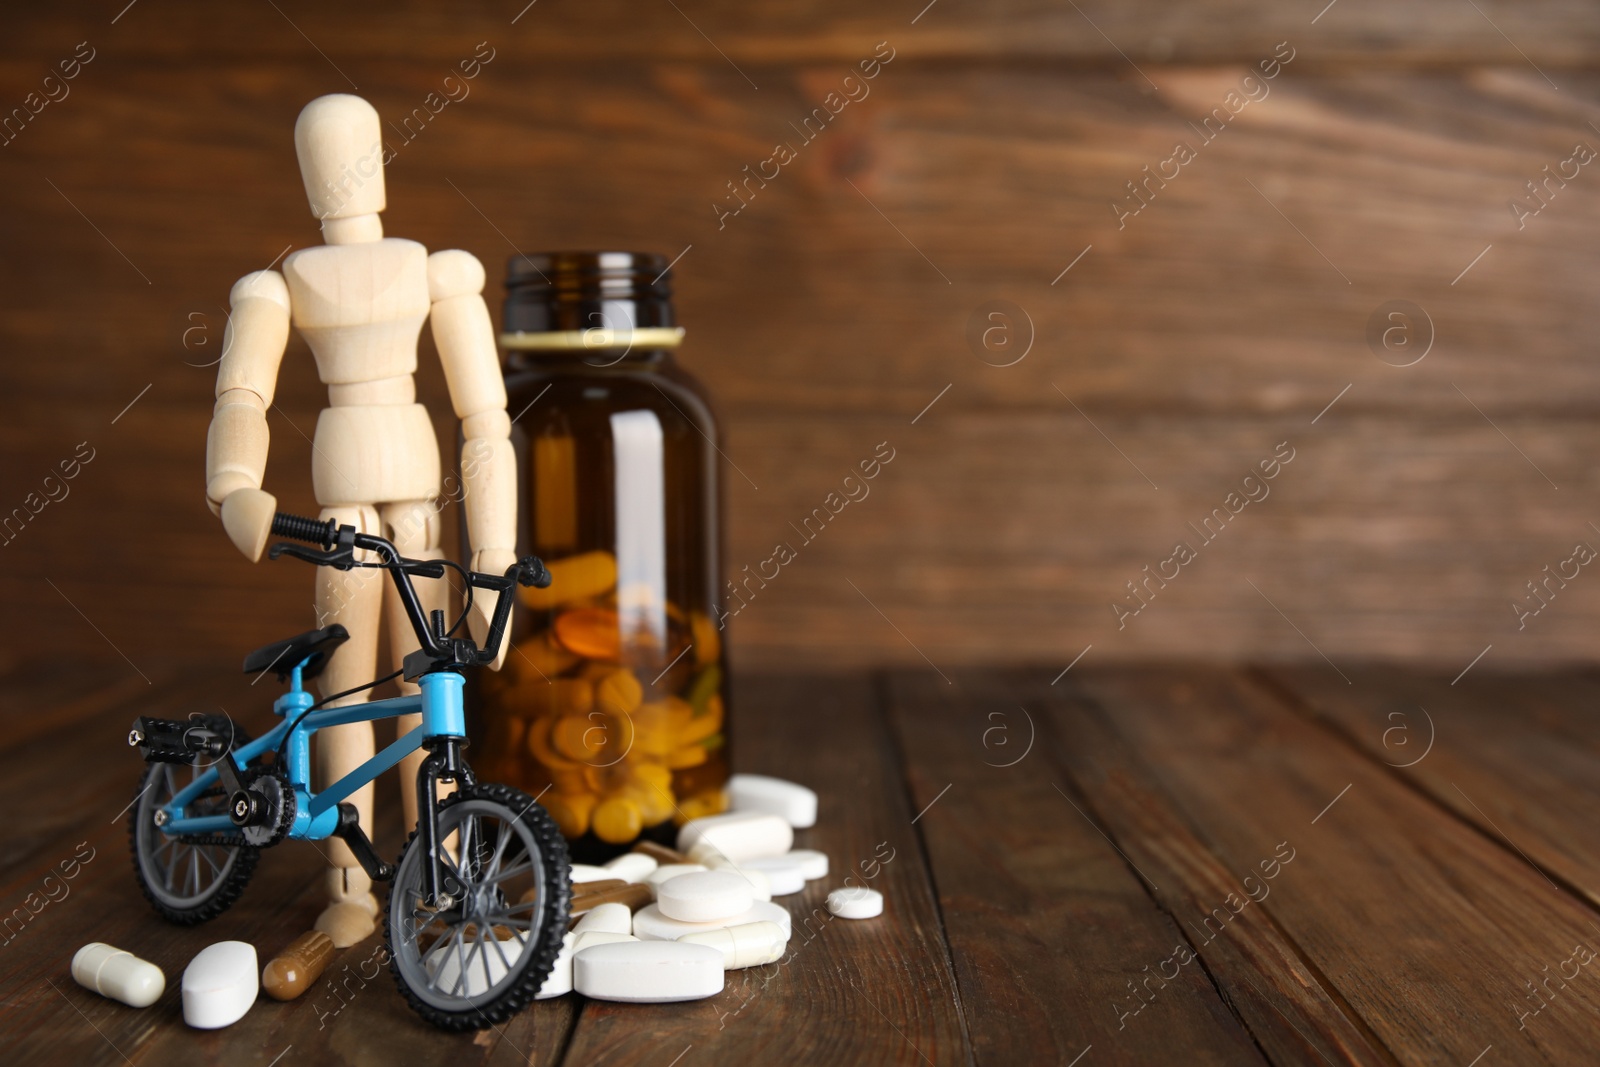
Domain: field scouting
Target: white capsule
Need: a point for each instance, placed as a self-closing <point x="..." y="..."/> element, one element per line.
<point x="120" y="975"/>
<point x="613" y="918"/>
<point x="560" y="979"/>
<point x="648" y="972"/>
<point x="783" y="874"/>
<point x="739" y="836"/>
<point x="631" y="867"/>
<point x="813" y="864"/>
<point x="704" y="896"/>
<point x="746" y="945"/>
<point x="795" y="804"/>
<point x="582" y="872"/>
<point x="220" y="984"/>
<point x="650" y="925"/>
<point x="855" y="902"/>
<point x="670" y="870"/>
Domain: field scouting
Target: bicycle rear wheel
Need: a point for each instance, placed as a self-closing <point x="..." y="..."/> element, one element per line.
<point x="188" y="880"/>
<point x="504" y="863"/>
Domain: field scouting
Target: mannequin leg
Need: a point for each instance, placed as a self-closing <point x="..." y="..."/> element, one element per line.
<point x="414" y="527"/>
<point x="354" y="600"/>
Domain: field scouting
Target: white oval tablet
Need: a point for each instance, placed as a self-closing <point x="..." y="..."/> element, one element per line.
<point x="631" y="866"/>
<point x="612" y="917"/>
<point x="747" y="945"/>
<point x="737" y="835"/>
<point x="704" y="896"/>
<point x="855" y="902"/>
<point x="793" y="803"/>
<point x="582" y="872"/>
<point x="220" y="984"/>
<point x="670" y="870"/>
<point x="813" y="864"/>
<point x="560" y="980"/>
<point x="597" y="937"/>
<point x="784" y="875"/>
<point x="117" y="974"/>
<point x="650" y="925"/>
<point x="449" y="959"/>
<point x="648" y="972"/>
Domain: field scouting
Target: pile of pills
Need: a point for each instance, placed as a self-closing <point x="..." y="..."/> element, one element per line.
<point x="622" y="749"/>
<point x="653" y="925"/>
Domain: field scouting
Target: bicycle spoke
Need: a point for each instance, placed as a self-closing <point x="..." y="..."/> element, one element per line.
<point x="509" y="872"/>
<point x="172" y="868"/>
<point x="499" y="951"/>
<point x="502" y="839"/>
<point x="488" y="977"/>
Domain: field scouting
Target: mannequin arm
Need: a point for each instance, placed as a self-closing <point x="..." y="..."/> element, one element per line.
<point x="236" y="444"/>
<point x="465" y="339"/>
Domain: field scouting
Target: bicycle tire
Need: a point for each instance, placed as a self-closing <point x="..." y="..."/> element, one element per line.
<point x="521" y="980"/>
<point x="145" y="842"/>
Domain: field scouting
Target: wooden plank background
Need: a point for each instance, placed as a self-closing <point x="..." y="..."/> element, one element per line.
<point x="1179" y="350"/>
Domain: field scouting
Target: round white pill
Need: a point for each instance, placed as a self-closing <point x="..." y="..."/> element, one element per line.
<point x="444" y="963"/>
<point x="582" y="872"/>
<point x="220" y="984"/>
<point x="813" y="864"/>
<point x="704" y="896"/>
<point x="560" y="980"/>
<point x="650" y="925"/>
<point x="630" y="866"/>
<point x="120" y="975"/>
<point x="793" y="803"/>
<point x="855" y="902"/>
<point x="648" y="971"/>
<point x="739" y="836"/>
<point x="783" y="874"/>
<point x="747" y="945"/>
<point x="613" y="918"/>
<point x="670" y="870"/>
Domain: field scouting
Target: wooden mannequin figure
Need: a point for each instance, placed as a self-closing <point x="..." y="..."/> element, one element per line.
<point x="359" y="300"/>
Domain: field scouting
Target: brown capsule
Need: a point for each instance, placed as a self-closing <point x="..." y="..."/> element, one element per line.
<point x="634" y="894"/>
<point x="660" y="853"/>
<point x="296" y="967"/>
<point x="582" y="890"/>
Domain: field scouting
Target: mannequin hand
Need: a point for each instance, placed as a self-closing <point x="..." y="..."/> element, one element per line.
<point x="489" y="561"/>
<point x="247" y="516"/>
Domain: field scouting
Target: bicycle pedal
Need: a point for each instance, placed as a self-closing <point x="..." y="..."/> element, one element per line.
<point x="175" y="741"/>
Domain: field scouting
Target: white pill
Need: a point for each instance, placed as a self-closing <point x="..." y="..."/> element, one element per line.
<point x="739" y="836"/>
<point x="650" y="925"/>
<point x="760" y="884"/>
<point x="855" y="902"/>
<point x="670" y="870"/>
<point x="648" y="971"/>
<point x="447" y="961"/>
<point x="795" y="804"/>
<point x="560" y="980"/>
<point x="220" y="984"/>
<point x="813" y="864"/>
<point x="703" y="897"/>
<point x="581" y="941"/>
<point x="631" y="866"/>
<point x="747" y="945"/>
<point x="582" y="872"/>
<point x="120" y="975"/>
<point x="783" y="874"/>
<point x="613" y="918"/>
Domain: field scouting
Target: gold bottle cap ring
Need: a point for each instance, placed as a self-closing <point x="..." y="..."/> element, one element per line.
<point x="597" y="337"/>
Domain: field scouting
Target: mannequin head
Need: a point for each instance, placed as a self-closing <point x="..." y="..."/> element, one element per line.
<point x="340" y="147"/>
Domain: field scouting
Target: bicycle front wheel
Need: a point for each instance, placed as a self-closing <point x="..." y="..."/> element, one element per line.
<point x="482" y="960"/>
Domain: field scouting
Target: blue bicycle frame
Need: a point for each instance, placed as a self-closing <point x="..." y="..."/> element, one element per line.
<point x="317" y="814"/>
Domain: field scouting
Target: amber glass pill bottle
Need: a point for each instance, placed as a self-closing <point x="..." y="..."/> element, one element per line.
<point x="614" y="692"/>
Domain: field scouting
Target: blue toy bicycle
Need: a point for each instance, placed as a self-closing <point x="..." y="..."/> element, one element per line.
<point x="478" y="900"/>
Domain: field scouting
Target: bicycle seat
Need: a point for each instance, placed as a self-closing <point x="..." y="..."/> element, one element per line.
<point x="280" y="657"/>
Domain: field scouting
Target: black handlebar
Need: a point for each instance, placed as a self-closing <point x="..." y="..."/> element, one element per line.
<point x="339" y="544"/>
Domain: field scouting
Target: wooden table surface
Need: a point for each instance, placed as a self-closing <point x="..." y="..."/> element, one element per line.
<point x="1164" y="864"/>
